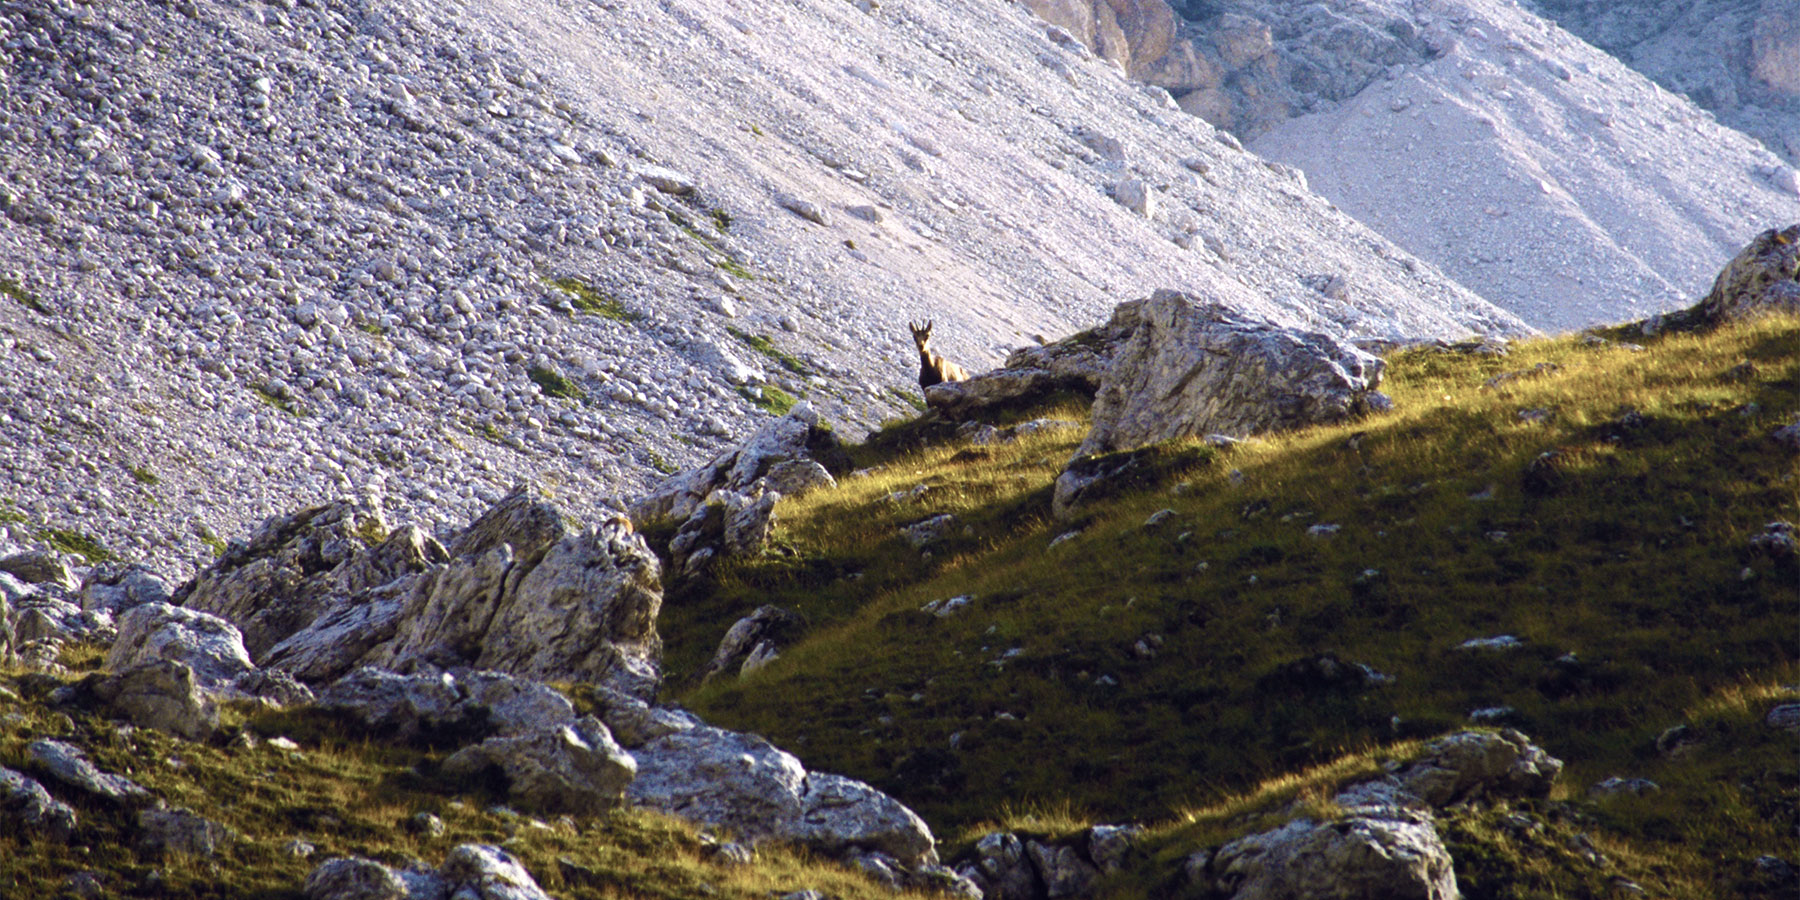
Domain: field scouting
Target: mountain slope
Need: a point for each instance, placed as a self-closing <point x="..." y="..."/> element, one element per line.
<point x="275" y="252"/>
<point x="1571" y="539"/>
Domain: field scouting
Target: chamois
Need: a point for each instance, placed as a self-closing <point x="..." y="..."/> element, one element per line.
<point x="933" y="368"/>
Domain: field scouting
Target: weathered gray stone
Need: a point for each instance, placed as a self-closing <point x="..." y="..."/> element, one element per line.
<point x="485" y="872"/>
<point x="180" y="831"/>
<point x="1477" y="764"/>
<point x="744" y="783"/>
<point x="1764" y="277"/>
<point x="39" y="567"/>
<point x="405" y="704"/>
<point x="117" y="589"/>
<point x="1109" y="844"/>
<point x="163" y="694"/>
<point x="209" y="645"/>
<point x="1370" y="854"/>
<point x="729" y="524"/>
<point x="1064" y="872"/>
<point x="635" y="723"/>
<point x="66" y="764"/>
<point x="799" y="435"/>
<point x="1193" y="368"/>
<point x="514" y="705"/>
<point x="573" y="768"/>
<point x="27" y="809"/>
<point x="354" y="878"/>
<point x="281" y="579"/>
<point x="1003" y="870"/>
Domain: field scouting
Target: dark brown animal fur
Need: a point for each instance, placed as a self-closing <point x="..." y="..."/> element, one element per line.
<point x="933" y="368"/>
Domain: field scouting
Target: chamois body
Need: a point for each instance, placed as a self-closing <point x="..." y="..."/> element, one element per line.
<point x="933" y="368"/>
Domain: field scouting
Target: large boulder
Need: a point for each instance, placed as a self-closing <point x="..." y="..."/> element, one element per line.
<point x="799" y="435"/>
<point x="163" y="694"/>
<point x="66" y="764"/>
<point x="768" y="626"/>
<point x="486" y="872"/>
<point x="469" y="872"/>
<point x="1473" y="765"/>
<point x="39" y="567"/>
<point x="405" y="705"/>
<point x="1193" y="368"/>
<point x="1764" y="277"/>
<point x="566" y="768"/>
<point x="207" y="644"/>
<point x="116" y="589"/>
<point x="744" y="783"/>
<point x="728" y="524"/>
<point x="1370" y="854"/>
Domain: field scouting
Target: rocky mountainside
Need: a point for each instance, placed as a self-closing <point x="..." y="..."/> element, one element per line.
<point x="1543" y="173"/>
<point x="1740" y="60"/>
<point x="258" y="253"/>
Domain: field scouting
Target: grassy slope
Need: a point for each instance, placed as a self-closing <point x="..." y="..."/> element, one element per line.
<point x="348" y="792"/>
<point x="1631" y="555"/>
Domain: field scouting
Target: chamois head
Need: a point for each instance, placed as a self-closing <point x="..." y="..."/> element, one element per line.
<point x="921" y="334"/>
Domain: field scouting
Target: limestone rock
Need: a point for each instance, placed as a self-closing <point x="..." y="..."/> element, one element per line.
<point x="121" y="588"/>
<point x="768" y="625"/>
<point x="744" y="783"/>
<point x="514" y="705"/>
<point x="1194" y="368"/>
<point x="1003" y="870"/>
<point x="574" y="768"/>
<point x="164" y="694"/>
<point x="354" y="878"/>
<point x="587" y="612"/>
<point x="1063" y="870"/>
<point x="39" y="567"/>
<point x="407" y="705"/>
<point x="729" y="524"/>
<point x="1077" y="363"/>
<point x="1466" y="766"/>
<point x="27" y="809"/>
<point x="1763" y="277"/>
<point x="799" y="435"/>
<point x="66" y="764"/>
<point x="207" y="644"/>
<point x="338" y="640"/>
<point x="1370" y="854"/>
<point x="635" y="723"/>
<point x="485" y="872"/>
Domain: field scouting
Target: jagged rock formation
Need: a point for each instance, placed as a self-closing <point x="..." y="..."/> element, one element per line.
<point x="472" y="871"/>
<point x="1764" y="277"/>
<point x="513" y="211"/>
<point x="517" y="591"/>
<point x="1191" y="368"/>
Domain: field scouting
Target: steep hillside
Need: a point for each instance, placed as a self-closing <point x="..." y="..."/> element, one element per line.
<point x="1574" y="537"/>
<point x="257" y="254"/>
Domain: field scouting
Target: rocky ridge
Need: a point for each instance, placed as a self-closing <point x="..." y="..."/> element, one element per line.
<point x="288" y="251"/>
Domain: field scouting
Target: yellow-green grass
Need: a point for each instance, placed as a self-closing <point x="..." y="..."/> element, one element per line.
<point x="346" y="791"/>
<point x="1632" y="555"/>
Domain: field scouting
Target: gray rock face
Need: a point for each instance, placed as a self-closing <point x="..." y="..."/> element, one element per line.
<point x="728" y="524"/>
<point x="405" y="704"/>
<point x="163" y="694"/>
<point x="28" y="809"/>
<point x="1764" y="277"/>
<point x="1194" y="368"/>
<point x="572" y="768"/>
<point x="516" y="591"/>
<point x="799" y="435"/>
<point x="1063" y="870"/>
<point x="1003" y="870"/>
<point x="1371" y="854"/>
<point x="354" y="878"/>
<point x="116" y="590"/>
<point x="207" y="644"/>
<point x="69" y="766"/>
<point x="1476" y="764"/>
<point x="744" y="783"/>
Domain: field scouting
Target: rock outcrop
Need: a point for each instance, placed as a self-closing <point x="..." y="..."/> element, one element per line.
<point x="1075" y="363"/>
<point x="796" y="438"/>
<point x="207" y="644"/>
<point x="516" y="591"/>
<point x="571" y="767"/>
<point x="29" y="810"/>
<point x="469" y="872"/>
<point x="1368" y="854"/>
<point x="761" y="792"/>
<point x="1193" y="368"/>
<point x="1764" y="277"/>
<point x="163" y="694"/>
